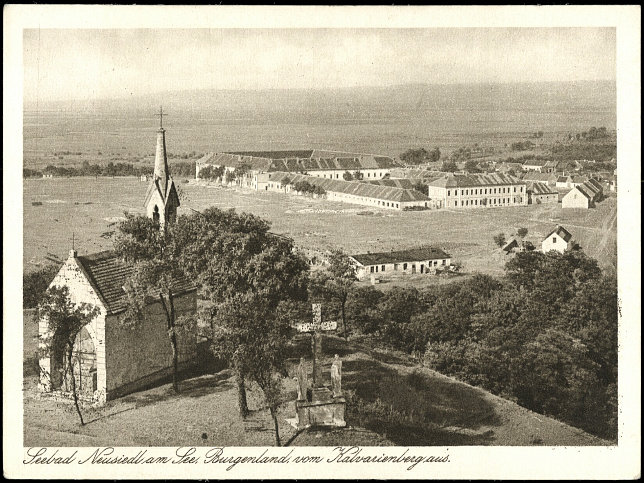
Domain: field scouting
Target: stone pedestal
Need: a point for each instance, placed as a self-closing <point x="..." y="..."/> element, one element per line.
<point x="322" y="410"/>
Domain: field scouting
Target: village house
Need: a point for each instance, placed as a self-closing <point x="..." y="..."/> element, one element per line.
<point x="113" y="358"/>
<point x="539" y="193"/>
<point x="540" y="165"/>
<point x="583" y="196"/>
<point x="478" y="191"/>
<point x="558" y="239"/>
<point x="548" y="178"/>
<point x="509" y="168"/>
<point x="417" y="260"/>
<point x="356" y="192"/>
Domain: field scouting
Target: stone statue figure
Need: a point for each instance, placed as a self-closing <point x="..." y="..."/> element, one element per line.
<point x="336" y="376"/>
<point x="302" y="380"/>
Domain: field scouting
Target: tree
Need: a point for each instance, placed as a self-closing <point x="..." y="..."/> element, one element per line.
<point x="259" y="349"/>
<point x="347" y="176"/>
<point x="218" y="172"/>
<point x="414" y="156"/>
<point x="471" y="166"/>
<point x="499" y="239"/>
<point x="449" y="166"/>
<point x="422" y="188"/>
<point x="234" y="258"/>
<point x="357" y="175"/>
<point x="34" y="284"/>
<point x="65" y="320"/>
<point x="522" y="232"/>
<point x="157" y="268"/>
<point x="336" y="282"/>
<point x="435" y="155"/>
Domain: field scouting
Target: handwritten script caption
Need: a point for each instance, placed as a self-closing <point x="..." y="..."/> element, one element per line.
<point x="229" y="459"/>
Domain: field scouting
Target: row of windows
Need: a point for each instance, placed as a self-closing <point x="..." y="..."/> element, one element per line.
<point x="484" y="191"/>
<point x="337" y="175"/>
<point x="491" y="201"/>
<point x="374" y="268"/>
<point x="389" y="204"/>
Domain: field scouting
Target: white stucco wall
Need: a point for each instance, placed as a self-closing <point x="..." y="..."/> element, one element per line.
<point x="575" y="199"/>
<point x="80" y="291"/>
<point x="554" y="242"/>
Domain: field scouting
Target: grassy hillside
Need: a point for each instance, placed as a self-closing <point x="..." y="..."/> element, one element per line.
<point x="390" y="402"/>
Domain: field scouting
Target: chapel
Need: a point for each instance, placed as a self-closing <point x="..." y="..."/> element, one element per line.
<point x="112" y="358"/>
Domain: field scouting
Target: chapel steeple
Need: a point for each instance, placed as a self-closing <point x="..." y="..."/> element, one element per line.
<point x="161" y="200"/>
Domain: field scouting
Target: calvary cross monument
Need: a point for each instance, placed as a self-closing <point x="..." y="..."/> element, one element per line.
<point x="324" y="407"/>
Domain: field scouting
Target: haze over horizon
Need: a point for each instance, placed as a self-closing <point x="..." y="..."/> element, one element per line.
<point x="63" y="65"/>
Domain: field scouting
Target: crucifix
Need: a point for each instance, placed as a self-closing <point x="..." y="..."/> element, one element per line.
<point x="160" y="114"/>
<point x="316" y="328"/>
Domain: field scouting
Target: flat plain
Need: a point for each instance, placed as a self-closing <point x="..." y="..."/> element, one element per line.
<point x="89" y="209"/>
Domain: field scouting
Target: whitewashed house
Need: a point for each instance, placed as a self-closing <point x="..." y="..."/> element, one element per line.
<point x="558" y="239"/>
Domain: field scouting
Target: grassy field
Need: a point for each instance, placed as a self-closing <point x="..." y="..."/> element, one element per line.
<point x="89" y="209"/>
<point x="390" y="402"/>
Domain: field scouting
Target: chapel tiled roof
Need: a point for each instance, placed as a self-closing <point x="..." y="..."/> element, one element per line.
<point x="411" y="255"/>
<point x="107" y="274"/>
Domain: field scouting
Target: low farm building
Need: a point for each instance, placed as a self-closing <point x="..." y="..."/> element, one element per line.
<point x="349" y="191"/>
<point x="113" y="358"/>
<point x="418" y="260"/>
<point x="541" y="193"/>
<point x="478" y="191"/>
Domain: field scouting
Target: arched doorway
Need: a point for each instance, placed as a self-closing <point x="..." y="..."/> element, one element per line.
<point x="84" y="364"/>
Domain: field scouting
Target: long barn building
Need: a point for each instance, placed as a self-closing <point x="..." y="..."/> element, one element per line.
<point x="356" y="192"/>
<point x="314" y="162"/>
<point x="478" y="191"/>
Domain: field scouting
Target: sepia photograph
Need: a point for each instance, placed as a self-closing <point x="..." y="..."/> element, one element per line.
<point x="333" y="247"/>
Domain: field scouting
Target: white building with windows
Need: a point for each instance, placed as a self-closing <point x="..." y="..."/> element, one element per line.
<point x="313" y="162"/>
<point x="478" y="191"/>
<point x="417" y="260"/>
<point x="356" y="192"/>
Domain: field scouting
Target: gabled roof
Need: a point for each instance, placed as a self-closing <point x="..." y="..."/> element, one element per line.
<point x="298" y="160"/>
<point x="535" y="162"/>
<point x="403" y="183"/>
<point x="562" y="232"/>
<point x="513" y="243"/>
<point x="474" y="180"/>
<point x="411" y="255"/>
<point x="536" y="176"/>
<point x="563" y="179"/>
<point x="540" y="189"/>
<point x="107" y="274"/>
<point x="356" y="188"/>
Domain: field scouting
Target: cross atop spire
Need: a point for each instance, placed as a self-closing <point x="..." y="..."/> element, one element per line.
<point x="160" y="114"/>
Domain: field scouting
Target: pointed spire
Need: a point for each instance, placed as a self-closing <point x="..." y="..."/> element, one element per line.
<point x="161" y="171"/>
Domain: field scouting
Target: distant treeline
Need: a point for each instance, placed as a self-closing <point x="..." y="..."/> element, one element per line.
<point x="110" y="169"/>
<point x="544" y="335"/>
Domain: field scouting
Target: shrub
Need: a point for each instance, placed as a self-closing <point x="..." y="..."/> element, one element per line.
<point x="34" y="284"/>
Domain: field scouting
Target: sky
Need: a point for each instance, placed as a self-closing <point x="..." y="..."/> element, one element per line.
<point x="84" y="64"/>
